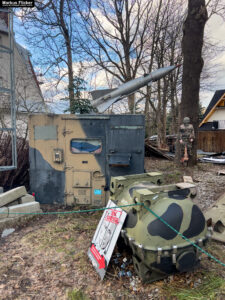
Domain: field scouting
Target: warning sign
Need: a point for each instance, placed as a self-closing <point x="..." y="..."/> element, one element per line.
<point x="105" y="238"/>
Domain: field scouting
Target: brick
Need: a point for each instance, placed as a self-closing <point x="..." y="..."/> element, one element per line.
<point x="31" y="207"/>
<point x="27" y="199"/>
<point x="12" y="195"/>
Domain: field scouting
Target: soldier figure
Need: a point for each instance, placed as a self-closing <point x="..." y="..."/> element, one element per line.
<point x="186" y="138"/>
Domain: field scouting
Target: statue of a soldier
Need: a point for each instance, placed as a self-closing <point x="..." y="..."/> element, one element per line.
<point x="186" y="138"/>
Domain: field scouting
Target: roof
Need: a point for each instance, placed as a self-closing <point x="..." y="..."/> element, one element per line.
<point x="212" y="105"/>
<point x="4" y="21"/>
<point x="25" y="55"/>
<point x="28" y="106"/>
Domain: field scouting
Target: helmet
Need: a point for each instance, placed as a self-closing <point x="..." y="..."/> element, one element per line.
<point x="186" y="120"/>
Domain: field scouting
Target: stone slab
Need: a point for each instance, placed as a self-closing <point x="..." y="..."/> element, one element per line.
<point x="4" y="212"/>
<point x="14" y="203"/>
<point x="31" y="207"/>
<point x="17" y="221"/>
<point x="12" y="195"/>
<point x="27" y="199"/>
<point x="188" y="179"/>
<point x="1" y="189"/>
<point x="185" y="185"/>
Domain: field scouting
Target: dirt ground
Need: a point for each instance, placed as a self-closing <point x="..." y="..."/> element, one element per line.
<point x="45" y="258"/>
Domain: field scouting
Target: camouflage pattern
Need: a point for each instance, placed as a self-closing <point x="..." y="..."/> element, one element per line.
<point x="72" y="157"/>
<point x="186" y="138"/>
<point x="157" y="250"/>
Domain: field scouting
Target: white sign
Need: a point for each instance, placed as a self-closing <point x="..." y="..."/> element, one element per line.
<point x="105" y="238"/>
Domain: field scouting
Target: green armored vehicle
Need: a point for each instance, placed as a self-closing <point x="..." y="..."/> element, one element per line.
<point x="157" y="249"/>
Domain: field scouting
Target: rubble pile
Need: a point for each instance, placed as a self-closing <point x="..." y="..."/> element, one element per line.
<point x="16" y="203"/>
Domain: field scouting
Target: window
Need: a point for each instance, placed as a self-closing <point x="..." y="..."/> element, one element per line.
<point x="93" y="146"/>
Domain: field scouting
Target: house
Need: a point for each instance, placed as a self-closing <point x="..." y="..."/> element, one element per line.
<point x="28" y="95"/>
<point x="211" y="135"/>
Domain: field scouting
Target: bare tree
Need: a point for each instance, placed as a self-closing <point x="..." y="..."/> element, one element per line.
<point x="48" y="27"/>
<point x="164" y="49"/>
<point x="114" y="34"/>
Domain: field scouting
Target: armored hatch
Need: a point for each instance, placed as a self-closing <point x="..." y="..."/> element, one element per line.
<point x="157" y="250"/>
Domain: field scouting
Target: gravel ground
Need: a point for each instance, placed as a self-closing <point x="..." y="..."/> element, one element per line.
<point x="209" y="184"/>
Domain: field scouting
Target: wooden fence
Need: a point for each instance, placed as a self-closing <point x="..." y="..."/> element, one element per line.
<point x="211" y="141"/>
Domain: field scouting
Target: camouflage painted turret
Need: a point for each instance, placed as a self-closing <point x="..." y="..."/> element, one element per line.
<point x="157" y="250"/>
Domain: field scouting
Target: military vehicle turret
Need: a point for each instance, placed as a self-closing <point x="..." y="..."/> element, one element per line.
<point x="158" y="250"/>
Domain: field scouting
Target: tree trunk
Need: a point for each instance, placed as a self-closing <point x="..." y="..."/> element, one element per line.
<point x="192" y="42"/>
<point x="70" y="75"/>
<point x="131" y="103"/>
<point x="69" y="55"/>
<point x="147" y="118"/>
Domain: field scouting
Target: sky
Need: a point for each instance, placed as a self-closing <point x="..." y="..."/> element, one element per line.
<point x="215" y="31"/>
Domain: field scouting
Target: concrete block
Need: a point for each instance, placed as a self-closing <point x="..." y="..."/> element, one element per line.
<point x="12" y="195"/>
<point x="1" y="189"/>
<point x="3" y="212"/>
<point x="30" y="207"/>
<point x="27" y="199"/>
<point x="14" y="203"/>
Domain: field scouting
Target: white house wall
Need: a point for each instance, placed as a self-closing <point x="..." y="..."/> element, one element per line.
<point x="218" y="115"/>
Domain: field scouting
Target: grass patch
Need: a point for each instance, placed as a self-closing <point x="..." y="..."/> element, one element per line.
<point x="77" y="295"/>
<point x="211" y="288"/>
<point x="172" y="177"/>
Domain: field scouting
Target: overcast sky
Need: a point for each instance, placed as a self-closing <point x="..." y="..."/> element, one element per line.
<point x="215" y="29"/>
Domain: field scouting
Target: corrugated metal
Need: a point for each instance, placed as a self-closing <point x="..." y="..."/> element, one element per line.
<point x="211" y="141"/>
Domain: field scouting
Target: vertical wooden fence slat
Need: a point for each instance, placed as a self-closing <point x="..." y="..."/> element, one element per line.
<point x="211" y="141"/>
